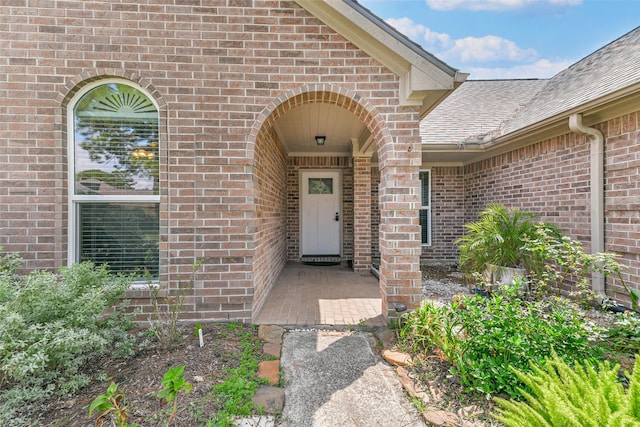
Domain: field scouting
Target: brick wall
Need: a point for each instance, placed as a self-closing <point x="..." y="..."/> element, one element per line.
<point x="362" y="213"/>
<point x="218" y="70"/>
<point x="447" y="214"/>
<point x="622" y="199"/>
<point x="270" y="183"/>
<point x="375" y="216"/>
<point x="551" y="178"/>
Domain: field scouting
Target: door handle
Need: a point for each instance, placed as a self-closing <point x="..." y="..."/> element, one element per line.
<point x="337" y="216"/>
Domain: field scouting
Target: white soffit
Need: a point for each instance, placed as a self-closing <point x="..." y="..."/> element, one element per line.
<point x="421" y="75"/>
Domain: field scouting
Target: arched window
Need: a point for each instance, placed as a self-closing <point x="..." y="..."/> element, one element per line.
<point x="113" y="178"/>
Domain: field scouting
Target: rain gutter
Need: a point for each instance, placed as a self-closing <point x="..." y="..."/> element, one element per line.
<point x="597" y="193"/>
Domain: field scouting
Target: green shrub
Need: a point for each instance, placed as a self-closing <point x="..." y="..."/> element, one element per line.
<point x="560" y="260"/>
<point x="51" y="325"/>
<point x="482" y="337"/>
<point x="499" y="238"/>
<point x="9" y="262"/>
<point x="623" y="336"/>
<point x="434" y="328"/>
<point x="582" y="396"/>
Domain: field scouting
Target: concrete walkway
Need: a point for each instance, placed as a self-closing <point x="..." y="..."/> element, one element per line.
<point x="333" y="378"/>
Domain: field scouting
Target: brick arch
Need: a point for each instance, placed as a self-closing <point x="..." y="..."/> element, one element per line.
<point x="67" y="92"/>
<point x="320" y="93"/>
<point x="351" y="101"/>
<point x="76" y="83"/>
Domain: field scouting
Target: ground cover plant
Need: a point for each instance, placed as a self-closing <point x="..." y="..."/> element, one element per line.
<point x="51" y="326"/>
<point x="580" y="396"/>
<point x="482" y="337"/>
<point x="63" y="347"/>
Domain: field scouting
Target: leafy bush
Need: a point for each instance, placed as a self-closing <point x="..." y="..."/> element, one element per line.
<point x="434" y="328"/>
<point x="482" y="337"/>
<point x="623" y="336"/>
<point x="560" y="260"/>
<point x="581" y="397"/>
<point x="51" y="325"/>
<point x="9" y="262"/>
<point x="498" y="238"/>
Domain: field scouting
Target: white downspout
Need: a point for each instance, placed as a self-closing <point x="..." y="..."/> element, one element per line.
<point x="597" y="193"/>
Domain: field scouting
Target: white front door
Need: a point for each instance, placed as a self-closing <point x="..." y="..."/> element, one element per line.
<point x="321" y="215"/>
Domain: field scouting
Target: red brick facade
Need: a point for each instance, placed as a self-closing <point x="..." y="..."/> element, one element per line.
<point x="551" y="178"/>
<point x="221" y="72"/>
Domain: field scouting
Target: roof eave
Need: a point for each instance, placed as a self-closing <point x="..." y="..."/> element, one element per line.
<point x="424" y="79"/>
<point x="597" y="111"/>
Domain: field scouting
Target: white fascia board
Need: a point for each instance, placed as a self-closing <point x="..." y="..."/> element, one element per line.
<point x="418" y="75"/>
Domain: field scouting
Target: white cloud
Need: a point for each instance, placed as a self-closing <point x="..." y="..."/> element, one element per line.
<point x="421" y="34"/>
<point x="487" y="48"/>
<point x="468" y="49"/>
<point x="476" y="50"/>
<point x="541" y="69"/>
<point x="495" y="5"/>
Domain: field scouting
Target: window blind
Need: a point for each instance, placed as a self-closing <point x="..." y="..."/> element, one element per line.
<point x="122" y="235"/>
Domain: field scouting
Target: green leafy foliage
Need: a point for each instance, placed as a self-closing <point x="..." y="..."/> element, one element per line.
<point x="560" y="260"/>
<point x="111" y="403"/>
<point x="434" y="328"/>
<point x="623" y="336"/>
<point x="52" y="325"/>
<point x="498" y="238"/>
<point x="173" y="383"/>
<point x="581" y="396"/>
<point x="9" y="262"/>
<point x="235" y="392"/>
<point x="483" y="337"/>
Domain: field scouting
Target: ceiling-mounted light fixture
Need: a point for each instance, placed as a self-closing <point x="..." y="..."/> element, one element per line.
<point x="320" y="140"/>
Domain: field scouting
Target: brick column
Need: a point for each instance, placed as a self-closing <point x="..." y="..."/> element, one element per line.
<point x="400" y="276"/>
<point x="362" y="213"/>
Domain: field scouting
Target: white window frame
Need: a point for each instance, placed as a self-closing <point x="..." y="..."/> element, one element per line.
<point x="73" y="237"/>
<point x="426" y="208"/>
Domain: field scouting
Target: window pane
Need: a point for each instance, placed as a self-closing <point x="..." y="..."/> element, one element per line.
<point x="320" y="185"/>
<point x="424" y="224"/>
<point x="125" y="236"/>
<point x="116" y="142"/>
<point x="425" y="181"/>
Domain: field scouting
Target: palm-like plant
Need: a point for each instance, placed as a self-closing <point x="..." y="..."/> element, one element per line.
<point x="499" y="238"/>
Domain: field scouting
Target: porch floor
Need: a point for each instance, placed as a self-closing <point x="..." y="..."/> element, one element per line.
<point x="309" y="295"/>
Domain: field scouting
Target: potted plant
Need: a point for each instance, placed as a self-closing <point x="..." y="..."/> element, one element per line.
<point x="495" y="245"/>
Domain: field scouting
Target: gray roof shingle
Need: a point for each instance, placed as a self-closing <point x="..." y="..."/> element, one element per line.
<point x="611" y="68"/>
<point x="499" y="107"/>
<point x="476" y="108"/>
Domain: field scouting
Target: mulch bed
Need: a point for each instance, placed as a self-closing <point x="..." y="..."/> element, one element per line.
<point x="140" y="377"/>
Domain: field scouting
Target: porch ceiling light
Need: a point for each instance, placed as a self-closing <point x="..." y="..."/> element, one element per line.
<point x="320" y="140"/>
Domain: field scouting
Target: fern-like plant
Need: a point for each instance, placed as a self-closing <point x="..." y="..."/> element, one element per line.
<point x="499" y="238"/>
<point x="580" y="396"/>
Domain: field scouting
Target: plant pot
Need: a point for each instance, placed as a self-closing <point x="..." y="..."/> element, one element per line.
<point x="499" y="275"/>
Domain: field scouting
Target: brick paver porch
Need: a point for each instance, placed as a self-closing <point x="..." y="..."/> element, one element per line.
<point x="307" y="295"/>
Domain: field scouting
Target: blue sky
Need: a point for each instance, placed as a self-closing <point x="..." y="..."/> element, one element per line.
<point x="495" y="39"/>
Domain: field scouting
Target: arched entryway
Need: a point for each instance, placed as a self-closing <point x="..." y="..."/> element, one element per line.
<point x="290" y="163"/>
